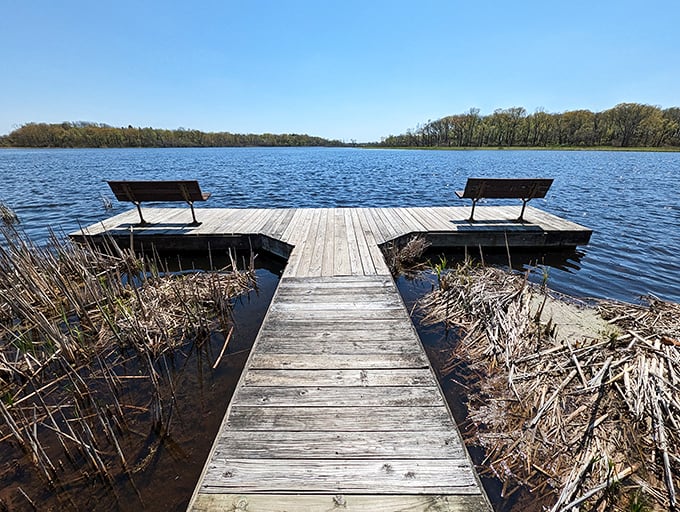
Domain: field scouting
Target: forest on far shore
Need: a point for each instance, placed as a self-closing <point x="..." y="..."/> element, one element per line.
<point x="95" y="135"/>
<point x="625" y="125"/>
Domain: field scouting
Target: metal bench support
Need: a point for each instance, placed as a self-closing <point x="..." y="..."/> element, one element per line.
<point x="142" y="222"/>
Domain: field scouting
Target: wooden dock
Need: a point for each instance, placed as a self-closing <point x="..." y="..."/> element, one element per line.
<point x="338" y="407"/>
<point x="337" y="241"/>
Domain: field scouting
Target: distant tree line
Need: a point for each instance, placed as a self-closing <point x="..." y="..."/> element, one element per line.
<point x="94" y="135"/>
<point x="625" y="125"/>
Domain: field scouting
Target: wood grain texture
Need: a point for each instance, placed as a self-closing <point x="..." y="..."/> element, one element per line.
<point x="346" y="503"/>
<point x="310" y="396"/>
<point x="430" y="444"/>
<point x="415" y="476"/>
<point x="342" y="378"/>
<point x="336" y="419"/>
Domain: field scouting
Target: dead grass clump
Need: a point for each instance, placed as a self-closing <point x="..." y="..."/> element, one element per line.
<point x="579" y="422"/>
<point x="87" y="344"/>
<point x="405" y="258"/>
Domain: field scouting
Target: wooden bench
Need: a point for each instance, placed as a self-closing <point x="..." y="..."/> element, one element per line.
<point x="504" y="188"/>
<point x="146" y="191"/>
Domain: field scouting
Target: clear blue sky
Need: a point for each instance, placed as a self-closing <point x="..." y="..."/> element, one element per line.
<point x="339" y="69"/>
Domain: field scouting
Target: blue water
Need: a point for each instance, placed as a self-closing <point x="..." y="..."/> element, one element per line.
<point x="630" y="200"/>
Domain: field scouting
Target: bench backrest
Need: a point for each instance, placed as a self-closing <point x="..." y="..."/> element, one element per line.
<point x="506" y="188"/>
<point x="138" y="191"/>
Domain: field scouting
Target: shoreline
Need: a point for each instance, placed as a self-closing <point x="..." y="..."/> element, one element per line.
<point x="533" y="148"/>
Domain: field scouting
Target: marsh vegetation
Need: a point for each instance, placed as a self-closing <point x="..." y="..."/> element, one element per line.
<point x="105" y="361"/>
<point x="571" y="405"/>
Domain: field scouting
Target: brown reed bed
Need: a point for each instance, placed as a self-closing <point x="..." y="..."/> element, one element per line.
<point x="406" y="257"/>
<point x="88" y="367"/>
<point x="587" y="420"/>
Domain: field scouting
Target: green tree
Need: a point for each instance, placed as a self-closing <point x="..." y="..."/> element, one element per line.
<point x="625" y="120"/>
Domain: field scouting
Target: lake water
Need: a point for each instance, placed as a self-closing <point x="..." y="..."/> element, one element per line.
<point x="631" y="200"/>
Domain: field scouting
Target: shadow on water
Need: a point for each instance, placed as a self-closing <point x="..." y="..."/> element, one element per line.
<point x="165" y="471"/>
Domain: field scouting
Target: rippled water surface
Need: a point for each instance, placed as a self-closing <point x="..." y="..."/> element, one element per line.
<point x="630" y="200"/>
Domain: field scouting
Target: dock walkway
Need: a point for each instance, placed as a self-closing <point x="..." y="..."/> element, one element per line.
<point x="338" y="407"/>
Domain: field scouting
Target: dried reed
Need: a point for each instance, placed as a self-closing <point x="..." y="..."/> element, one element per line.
<point x="77" y="325"/>
<point x="586" y="422"/>
<point x="405" y="258"/>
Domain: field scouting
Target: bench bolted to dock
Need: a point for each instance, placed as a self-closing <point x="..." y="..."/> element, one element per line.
<point x="137" y="192"/>
<point x="504" y="188"/>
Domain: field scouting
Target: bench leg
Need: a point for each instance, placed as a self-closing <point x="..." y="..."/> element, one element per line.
<point x="521" y="214"/>
<point x="142" y="222"/>
<point x="193" y="215"/>
<point x="472" y="213"/>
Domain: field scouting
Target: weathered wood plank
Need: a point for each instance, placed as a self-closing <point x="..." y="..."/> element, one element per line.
<point x="436" y="222"/>
<point x="375" y="396"/>
<point x="265" y="444"/>
<point x="395" y="475"/>
<point x="273" y="220"/>
<point x="339" y="419"/>
<point x="374" y="282"/>
<point x="301" y="223"/>
<point x="317" y="253"/>
<point x="342" y="378"/>
<point x="390" y="225"/>
<point x="344" y="315"/>
<point x="310" y="245"/>
<point x="369" y="268"/>
<point x="411" y="222"/>
<point x="294" y="226"/>
<point x="322" y="299"/>
<point x="404" y="347"/>
<point x="258" y="220"/>
<point x="342" y="262"/>
<point x="222" y="221"/>
<point x="346" y="503"/>
<point x="373" y="239"/>
<point x="242" y="221"/>
<point x="336" y="361"/>
<point x="347" y="324"/>
<point x="356" y="267"/>
<point x="442" y="220"/>
<point x="325" y="305"/>
<point x="371" y="231"/>
<point x="333" y="336"/>
<point x="328" y="263"/>
<point x="303" y="245"/>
